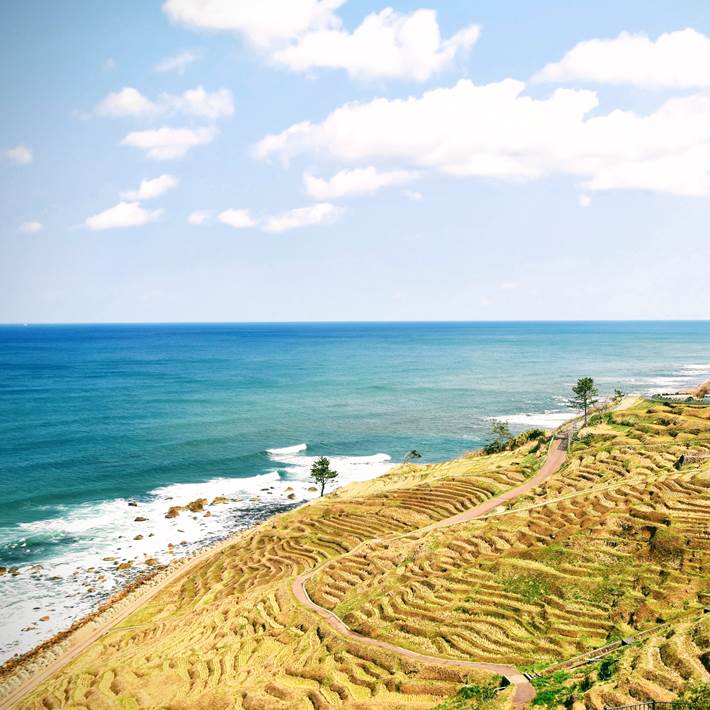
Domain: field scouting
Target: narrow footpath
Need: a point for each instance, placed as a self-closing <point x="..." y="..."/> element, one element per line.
<point x="85" y="636"/>
<point x="524" y="691"/>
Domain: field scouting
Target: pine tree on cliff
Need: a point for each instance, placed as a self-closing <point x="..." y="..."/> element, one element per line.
<point x="321" y="472"/>
<point x="584" y="396"/>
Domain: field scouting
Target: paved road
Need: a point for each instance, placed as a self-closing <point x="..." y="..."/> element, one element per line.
<point x="524" y="691"/>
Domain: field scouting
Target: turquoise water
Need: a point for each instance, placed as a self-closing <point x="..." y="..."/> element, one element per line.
<point x="94" y="416"/>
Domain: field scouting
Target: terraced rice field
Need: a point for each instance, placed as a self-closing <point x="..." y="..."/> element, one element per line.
<point x="669" y="664"/>
<point x="615" y="543"/>
<point x="232" y="635"/>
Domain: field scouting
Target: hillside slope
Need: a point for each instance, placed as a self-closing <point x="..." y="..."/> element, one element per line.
<point x="614" y="543"/>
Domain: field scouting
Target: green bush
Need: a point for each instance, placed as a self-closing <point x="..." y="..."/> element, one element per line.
<point x="607" y="668"/>
<point x="697" y="696"/>
<point x="480" y="693"/>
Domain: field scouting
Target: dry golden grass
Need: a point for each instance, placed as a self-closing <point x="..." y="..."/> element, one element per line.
<point x="232" y="635"/>
<point x="612" y="544"/>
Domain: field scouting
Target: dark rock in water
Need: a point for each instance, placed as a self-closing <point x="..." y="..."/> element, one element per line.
<point x="3" y="570"/>
<point x="132" y="503"/>
<point x="139" y="519"/>
<point x="174" y="511"/>
<point x="138" y="537"/>
<point x="291" y="496"/>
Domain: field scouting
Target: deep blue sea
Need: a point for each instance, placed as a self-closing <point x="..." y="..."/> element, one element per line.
<point x="95" y="417"/>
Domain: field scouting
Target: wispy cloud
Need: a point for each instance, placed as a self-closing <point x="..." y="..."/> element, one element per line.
<point x="358" y="181"/>
<point x="169" y="143"/>
<point x="315" y="214"/>
<point x="320" y="213"/>
<point x="20" y="155"/>
<point x="176" y="62"/>
<point x="128" y="102"/>
<point x="124" y="214"/>
<point x="239" y="219"/>
<point x="31" y="227"/>
<point x="150" y="189"/>
<point x="200" y="217"/>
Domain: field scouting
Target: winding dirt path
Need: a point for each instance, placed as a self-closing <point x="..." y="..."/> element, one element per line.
<point x="86" y="635"/>
<point x="524" y="691"/>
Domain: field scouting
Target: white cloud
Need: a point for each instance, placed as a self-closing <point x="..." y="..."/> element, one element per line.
<point x="124" y="214"/>
<point x="194" y="102"/>
<point x="169" y="143"/>
<point x="413" y="195"/>
<point x="385" y="44"/>
<point x="150" y="189"/>
<point x="585" y="200"/>
<point x="307" y="34"/>
<point x="358" y="181"/>
<point x="239" y="219"/>
<point x="20" y="155"/>
<point x="496" y="131"/>
<point x="199" y="216"/>
<point x="199" y="102"/>
<point x="264" y="23"/>
<point x="176" y="62"/>
<point x="31" y="227"/>
<point x="319" y="213"/>
<point x="675" y="60"/>
<point x="126" y="102"/>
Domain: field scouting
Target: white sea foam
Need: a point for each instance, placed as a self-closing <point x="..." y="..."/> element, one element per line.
<point x="288" y="449"/>
<point x="547" y="419"/>
<point x="76" y="581"/>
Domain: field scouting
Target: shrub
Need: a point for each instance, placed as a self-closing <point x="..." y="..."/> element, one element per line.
<point x="697" y="696"/>
<point x="607" y="668"/>
<point x="477" y="692"/>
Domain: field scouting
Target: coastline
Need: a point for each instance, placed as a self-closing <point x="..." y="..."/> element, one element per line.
<point x="20" y="675"/>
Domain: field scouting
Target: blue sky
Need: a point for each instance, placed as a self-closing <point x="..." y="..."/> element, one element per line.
<point x="350" y="164"/>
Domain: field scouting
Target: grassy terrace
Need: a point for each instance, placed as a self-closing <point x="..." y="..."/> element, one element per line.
<point x="615" y="543"/>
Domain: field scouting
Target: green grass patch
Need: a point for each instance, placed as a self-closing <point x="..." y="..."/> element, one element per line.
<point x="530" y="587"/>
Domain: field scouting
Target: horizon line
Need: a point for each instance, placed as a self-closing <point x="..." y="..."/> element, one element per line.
<point x="357" y="322"/>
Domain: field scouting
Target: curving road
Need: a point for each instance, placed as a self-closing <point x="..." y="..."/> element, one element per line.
<point x="524" y="691"/>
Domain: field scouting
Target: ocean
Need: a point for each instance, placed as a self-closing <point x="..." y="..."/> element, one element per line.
<point x="103" y="424"/>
